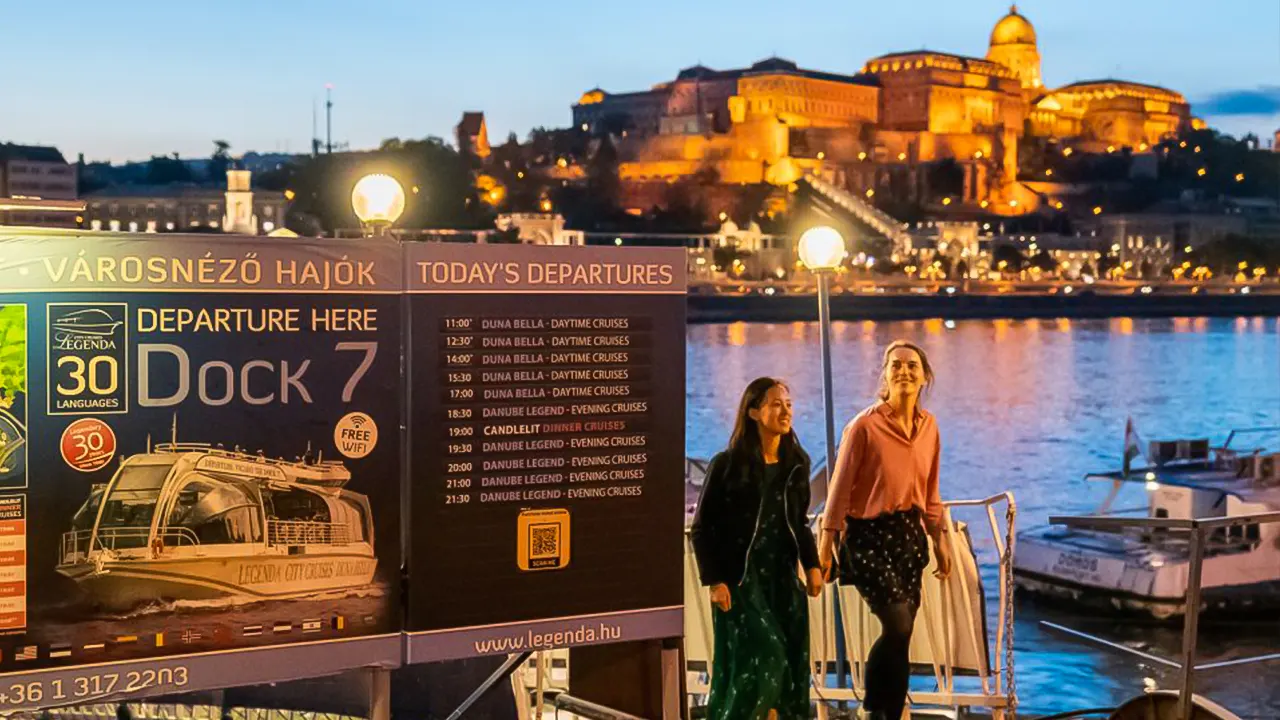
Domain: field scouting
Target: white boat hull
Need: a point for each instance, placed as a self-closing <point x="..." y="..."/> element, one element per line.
<point x="1115" y="573"/>
<point x="125" y="580"/>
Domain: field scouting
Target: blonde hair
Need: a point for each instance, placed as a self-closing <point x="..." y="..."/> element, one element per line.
<point x="883" y="392"/>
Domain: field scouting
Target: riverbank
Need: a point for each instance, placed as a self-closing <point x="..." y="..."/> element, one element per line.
<point x="962" y="306"/>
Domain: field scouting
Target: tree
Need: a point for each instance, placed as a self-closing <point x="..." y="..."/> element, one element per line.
<point x="220" y="161"/>
<point x="1010" y="256"/>
<point x="1106" y="264"/>
<point x="162" y="170"/>
<point x="1044" y="261"/>
<point x="440" y="191"/>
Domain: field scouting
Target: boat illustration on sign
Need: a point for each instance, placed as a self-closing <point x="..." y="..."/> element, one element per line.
<point x="92" y="322"/>
<point x="187" y="521"/>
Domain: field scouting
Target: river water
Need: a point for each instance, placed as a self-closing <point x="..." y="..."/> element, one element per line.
<point x="1031" y="406"/>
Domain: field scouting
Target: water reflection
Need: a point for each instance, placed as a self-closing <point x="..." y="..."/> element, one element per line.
<point x="1033" y="411"/>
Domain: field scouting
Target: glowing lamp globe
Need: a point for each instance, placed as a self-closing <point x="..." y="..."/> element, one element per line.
<point x="822" y="248"/>
<point x="377" y="199"/>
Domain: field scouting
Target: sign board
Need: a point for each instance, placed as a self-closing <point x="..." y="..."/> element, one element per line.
<point x="546" y="447"/>
<point x="200" y="458"/>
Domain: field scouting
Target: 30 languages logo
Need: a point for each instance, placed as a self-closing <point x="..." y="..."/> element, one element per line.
<point x="88" y="357"/>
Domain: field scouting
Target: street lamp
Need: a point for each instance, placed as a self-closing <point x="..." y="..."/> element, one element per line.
<point x="822" y="249"/>
<point x="378" y="200"/>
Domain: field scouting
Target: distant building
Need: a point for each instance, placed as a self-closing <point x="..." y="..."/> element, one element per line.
<point x="1158" y="241"/>
<point x="882" y="127"/>
<point x="540" y="228"/>
<point x="36" y="173"/>
<point x="473" y="135"/>
<point x="186" y="208"/>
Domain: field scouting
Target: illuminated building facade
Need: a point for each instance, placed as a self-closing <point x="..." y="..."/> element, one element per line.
<point x="901" y="113"/>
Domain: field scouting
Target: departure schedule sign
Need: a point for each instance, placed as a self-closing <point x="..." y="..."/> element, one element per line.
<point x="546" y="436"/>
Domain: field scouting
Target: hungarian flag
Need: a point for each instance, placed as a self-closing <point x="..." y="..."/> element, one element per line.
<point x="1132" y="445"/>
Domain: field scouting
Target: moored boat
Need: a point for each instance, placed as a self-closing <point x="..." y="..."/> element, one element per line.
<point x="1145" y="571"/>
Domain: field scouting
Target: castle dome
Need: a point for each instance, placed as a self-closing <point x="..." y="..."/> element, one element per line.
<point x="1013" y="29"/>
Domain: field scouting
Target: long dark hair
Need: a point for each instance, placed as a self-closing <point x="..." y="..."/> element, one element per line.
<point x="744" y="443"/>
<point x="925" y="368"/>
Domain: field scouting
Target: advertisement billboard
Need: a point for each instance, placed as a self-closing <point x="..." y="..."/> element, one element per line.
<point x="200" y="457"/>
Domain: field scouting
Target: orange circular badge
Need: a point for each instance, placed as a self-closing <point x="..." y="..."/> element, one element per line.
<point x="88" y="444"/>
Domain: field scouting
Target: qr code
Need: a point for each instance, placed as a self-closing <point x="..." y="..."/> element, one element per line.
<point x="544" y="541"/>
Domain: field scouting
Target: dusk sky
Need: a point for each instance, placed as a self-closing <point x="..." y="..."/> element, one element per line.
<point x="128" y="80"/>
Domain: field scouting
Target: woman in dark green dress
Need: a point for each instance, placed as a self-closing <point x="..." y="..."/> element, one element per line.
<point x="751" y="538"/>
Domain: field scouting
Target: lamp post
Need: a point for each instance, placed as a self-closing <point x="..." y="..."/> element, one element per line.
<point x="822" y="249"/>
<point x="378" y="200"/>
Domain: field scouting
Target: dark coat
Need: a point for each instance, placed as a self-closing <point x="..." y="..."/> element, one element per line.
<point x="729" y="508"/>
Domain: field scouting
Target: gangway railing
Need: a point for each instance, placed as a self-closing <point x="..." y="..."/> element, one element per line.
<point x="951" y="637"/>
<point x="1197" y="530"/>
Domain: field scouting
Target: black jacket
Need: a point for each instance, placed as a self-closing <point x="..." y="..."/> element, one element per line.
<point x="729" y="508"/>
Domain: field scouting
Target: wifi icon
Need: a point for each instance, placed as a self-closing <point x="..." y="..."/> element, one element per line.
<point x="355" y="435"/>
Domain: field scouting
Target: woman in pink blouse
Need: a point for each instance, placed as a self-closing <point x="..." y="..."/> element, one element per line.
<point x="883" y="499"/>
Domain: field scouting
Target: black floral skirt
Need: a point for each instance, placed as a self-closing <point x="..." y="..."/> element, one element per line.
<point x="884" y="557"/>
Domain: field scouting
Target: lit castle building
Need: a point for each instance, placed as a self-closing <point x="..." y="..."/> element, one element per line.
<point x="885" y="126"/>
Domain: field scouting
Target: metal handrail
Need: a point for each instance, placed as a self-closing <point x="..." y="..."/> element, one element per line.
<point x="1247" y="431"/>
<point x="1196" y="528"/>
<point x="106" y="539"/>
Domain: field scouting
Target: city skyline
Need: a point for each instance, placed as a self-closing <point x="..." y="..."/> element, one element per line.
<point x="408" y="71"/>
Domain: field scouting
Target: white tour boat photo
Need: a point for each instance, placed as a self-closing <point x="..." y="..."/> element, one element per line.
<point x="187" y="521"/>
<point x="1145" y="571"/>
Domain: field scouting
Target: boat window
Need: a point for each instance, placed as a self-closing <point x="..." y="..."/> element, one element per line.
<point x="126" y="518"/>
<point x="88" y="512"/>
<point x="347" y="522"/>
<point x="297" y="505"/>
<point x="142" y="477"/>
<point x="366" y="523"/>
<point x="213" y="513"/>
<point x="128" y="508"/>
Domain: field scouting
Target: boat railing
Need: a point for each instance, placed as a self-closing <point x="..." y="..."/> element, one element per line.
<point x="186" y="447"/>
<point x="952" y="636"/>
<point x="1247" y="431"/>
<point x="1221" y="540"/>
<point x="307" y="532"/>
<point x="77" y="544"/>
<point x="1198" y="532"/>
